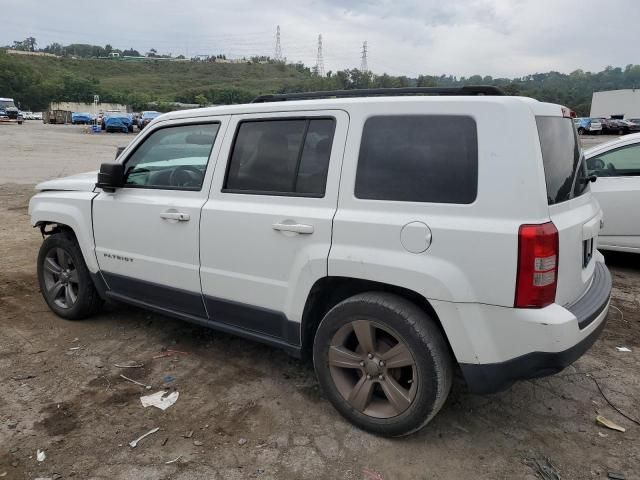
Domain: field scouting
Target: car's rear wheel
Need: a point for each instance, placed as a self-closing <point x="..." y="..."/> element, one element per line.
<point x="65" y="281"/>
<point x="581" y="131"/>
<point x="383" y="363"/>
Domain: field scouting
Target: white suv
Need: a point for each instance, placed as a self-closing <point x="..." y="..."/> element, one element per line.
<point x="394" y="236"/>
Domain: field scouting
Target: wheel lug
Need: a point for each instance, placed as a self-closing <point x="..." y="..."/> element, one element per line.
<point x="381" y="363"/>
<point x="370" y="356"/>
<point x="368" y="377"/>
<point x="380" y="377"/>
<point x="362" y="364"/>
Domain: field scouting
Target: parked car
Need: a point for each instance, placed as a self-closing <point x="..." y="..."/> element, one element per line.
<point x="617" y="166"/>
<point x="588" y="125"/>
<point x="37" y="115"/>
<point x="78" y="118"/>
<point x="146" y="118"/>
<point x="9" y="111"/>
<point x="618" y="126"/>
<point x="117" y="122"/>
<point x="370" y="234"/>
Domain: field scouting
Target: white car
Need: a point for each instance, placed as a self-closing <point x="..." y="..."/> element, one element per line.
<point x="391" y="236"/>
<point x="617" y="166"/>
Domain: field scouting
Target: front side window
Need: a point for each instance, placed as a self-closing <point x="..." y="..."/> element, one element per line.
<point x="285" y="157"/>
<point x="172" y="158"/>
<point x="418" y="158"/>
<point x="622" y="162"/>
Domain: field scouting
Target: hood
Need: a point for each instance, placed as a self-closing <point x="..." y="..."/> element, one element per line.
<point x="82" y="182"/>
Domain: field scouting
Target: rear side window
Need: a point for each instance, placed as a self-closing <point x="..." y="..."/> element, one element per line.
<point x="281" y="157"/>
<point x="564" y="167"/>
<point x="418" y="158"/>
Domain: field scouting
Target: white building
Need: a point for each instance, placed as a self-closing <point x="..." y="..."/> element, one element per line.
<point x="616" y="103"/>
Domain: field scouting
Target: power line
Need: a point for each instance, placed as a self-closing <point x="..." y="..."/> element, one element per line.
<point x="319" y="58"/>
<point x="278" y="53"/>
<point x="364" y="67"/>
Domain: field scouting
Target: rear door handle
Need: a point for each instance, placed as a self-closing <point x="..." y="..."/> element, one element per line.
<point x="179" y="216"/>
<point x="293" y="227"/>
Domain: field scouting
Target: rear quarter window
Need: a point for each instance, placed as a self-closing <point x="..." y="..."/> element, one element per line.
<point x="564" y="167"/>
<point x="418" y="158"/>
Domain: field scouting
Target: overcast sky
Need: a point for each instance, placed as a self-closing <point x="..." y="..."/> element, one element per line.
<point x="412" y="37"/>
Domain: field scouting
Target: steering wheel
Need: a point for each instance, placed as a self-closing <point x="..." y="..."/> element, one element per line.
<point x="612" y="169"/>
<point x="185" y="176"/>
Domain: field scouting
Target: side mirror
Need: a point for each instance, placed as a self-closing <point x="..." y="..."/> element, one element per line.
<point x="110" y="177"/>
<point x="119" y="150"/>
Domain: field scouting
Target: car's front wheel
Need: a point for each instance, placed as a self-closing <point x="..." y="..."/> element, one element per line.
<point x="383" y="363"/>
<point x="65" y="281"/>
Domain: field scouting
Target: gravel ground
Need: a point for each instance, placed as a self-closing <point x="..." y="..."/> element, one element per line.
<point x="249" y="411"/>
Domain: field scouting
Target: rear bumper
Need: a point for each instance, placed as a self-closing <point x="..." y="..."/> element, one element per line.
<point x="575" y="333"/>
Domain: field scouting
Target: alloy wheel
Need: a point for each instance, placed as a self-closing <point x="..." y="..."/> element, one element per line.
<point x="373" y="369"/>
<point x="60" y="278"/>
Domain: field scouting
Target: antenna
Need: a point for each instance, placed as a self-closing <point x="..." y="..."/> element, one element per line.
<point x="278" y="53"/>
<point x="319" y="59"/>
<point x="364" y="67"/>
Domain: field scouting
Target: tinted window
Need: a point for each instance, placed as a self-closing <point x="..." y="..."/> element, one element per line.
<point x="281" y="156"/>
<point x="425" y="158"/>
<point x="624" y="161"/>
<point x="172" y="158"/>
<point x="564" y="167"/>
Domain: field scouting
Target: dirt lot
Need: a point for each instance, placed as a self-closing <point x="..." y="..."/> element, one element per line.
<point x="255" y="412"/>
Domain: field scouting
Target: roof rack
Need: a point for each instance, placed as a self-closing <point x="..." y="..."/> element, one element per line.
<point x="386" y="92"/>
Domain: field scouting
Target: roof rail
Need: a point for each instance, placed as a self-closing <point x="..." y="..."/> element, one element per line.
<point x="386" y="92"/>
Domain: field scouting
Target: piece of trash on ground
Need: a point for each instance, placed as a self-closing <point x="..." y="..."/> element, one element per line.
<point x="198" y="443"/>
<point x="161" y="399"/>
<point x="24" y="376"/>
<point x="544" y="468"/>
<point x="41" y="456"/>
<point x="134" y="443"/>
<point x="603" y="435"/>
<point x="616" y="476"/>
<point x="168" y="379"/>
<point x="605" y="422"/>
<point x="129" y="365"/>
<point x="148" y="387"/>
<point x="75" y="348"/>
<point x="623" y="349"/>
<point x="242" y="441"/>
<point x="169" y="352"/>
<point x="371" y="474"/>
<point x="174" y="460"/>
<point x="188" y="434"/>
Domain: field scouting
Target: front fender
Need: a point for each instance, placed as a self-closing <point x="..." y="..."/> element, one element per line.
<point x="72" y="209"/>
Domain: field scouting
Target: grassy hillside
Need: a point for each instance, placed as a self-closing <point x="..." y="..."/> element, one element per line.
<point x="34" y="81"/>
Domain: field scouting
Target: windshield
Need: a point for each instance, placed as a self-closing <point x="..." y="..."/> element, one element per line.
<point x="6" y="104"/>
<point x="564" y="166"/>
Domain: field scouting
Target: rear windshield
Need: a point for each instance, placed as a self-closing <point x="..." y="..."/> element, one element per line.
<point x="564" y="167"/>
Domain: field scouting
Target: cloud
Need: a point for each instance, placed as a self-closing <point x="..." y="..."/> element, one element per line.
<point x="487" y="37"/>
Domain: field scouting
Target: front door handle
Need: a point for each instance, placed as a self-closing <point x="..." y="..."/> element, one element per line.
<point x="179" y="216"/>
<point x="293" y="227"/>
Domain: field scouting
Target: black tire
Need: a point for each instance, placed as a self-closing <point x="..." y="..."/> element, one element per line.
<point x="88" y="302"/>
<point x="581" y="131"/>
<point x="409" y="324"/>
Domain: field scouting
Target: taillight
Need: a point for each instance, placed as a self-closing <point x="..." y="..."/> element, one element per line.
<point x="537" y="276"/>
